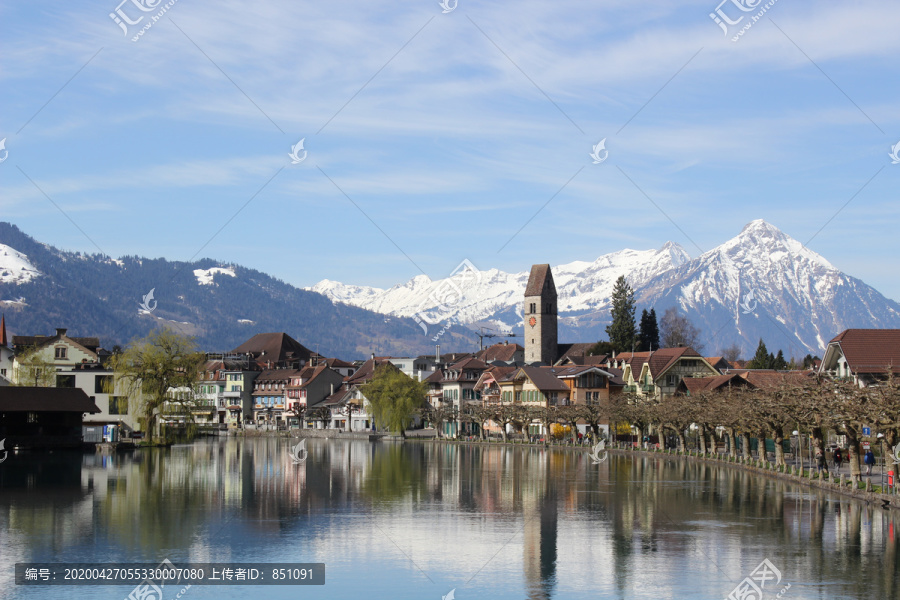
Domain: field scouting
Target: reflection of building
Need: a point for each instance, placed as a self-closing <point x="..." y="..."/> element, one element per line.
<point x="539" y="545"/>
<point x="41" y="417"/>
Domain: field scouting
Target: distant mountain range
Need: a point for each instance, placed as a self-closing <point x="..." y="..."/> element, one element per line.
<point x="42" y="288"/>
<point x="760" y="284"/>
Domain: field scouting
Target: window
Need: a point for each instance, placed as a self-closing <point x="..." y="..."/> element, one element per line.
<point x="61" y="352"/>
<point x="102" y="383"/>
<point x="532" y="308"/>
<point x="32" y="417"/>
<point x="118" y="405"/>
<point x="670" y="380"/>
<point x="3" y="372"/>
<point x="65" y="381"/>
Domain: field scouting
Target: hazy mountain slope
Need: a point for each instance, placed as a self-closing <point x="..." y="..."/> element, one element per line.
<point x="222" y="305"/>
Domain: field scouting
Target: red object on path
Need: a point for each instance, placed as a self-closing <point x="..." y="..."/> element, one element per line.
<point x="891" y="478"/>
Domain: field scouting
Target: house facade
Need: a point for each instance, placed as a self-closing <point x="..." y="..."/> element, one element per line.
<point x="657" y="373"/>
<point x="866" y="356"/>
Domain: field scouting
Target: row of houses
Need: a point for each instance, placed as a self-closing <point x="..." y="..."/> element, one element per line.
<point x="275" y="381"/>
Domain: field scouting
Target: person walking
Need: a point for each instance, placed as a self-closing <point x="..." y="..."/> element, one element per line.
<point x="821" y="464"/>
<point x="838" y="458"/>
<point x="869" y="459"/>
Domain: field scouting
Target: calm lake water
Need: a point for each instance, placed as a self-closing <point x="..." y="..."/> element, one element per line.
<point x="418" y="520"/>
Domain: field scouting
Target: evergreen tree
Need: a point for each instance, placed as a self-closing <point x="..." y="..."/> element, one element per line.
<point x="779" y="364"/>
<point x="648" y="336"/>
<point x="760" y="360"/>
<point x="621" y="331"/>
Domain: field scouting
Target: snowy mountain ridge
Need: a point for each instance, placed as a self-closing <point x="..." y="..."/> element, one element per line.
<point x="760" y="284"/>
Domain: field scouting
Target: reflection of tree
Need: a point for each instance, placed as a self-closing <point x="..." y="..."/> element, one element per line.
<point x="146" y="505"/>
<point x="394" y="475"/>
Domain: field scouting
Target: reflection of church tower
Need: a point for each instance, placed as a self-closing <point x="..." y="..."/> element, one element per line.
<point x="540" y="538"/>
<point x="540" y="316"/>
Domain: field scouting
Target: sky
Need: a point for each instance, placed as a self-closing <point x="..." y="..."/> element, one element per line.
<point x="434" y="134"/>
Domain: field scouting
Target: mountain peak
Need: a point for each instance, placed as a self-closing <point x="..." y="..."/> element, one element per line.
<point x="762" y="243"/>
<point x="760" y="227"/>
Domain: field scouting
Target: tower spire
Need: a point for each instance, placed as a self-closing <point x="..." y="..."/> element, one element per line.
<point x="3" y="341"/>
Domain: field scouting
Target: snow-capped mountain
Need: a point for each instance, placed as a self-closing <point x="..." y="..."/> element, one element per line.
<point x="760" y="284"/>
<point x="496" y="296"/>
<point x="765" y="284"/>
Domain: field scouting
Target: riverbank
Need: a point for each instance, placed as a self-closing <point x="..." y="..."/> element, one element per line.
<point x="806" y="477"/>
<point x="314" y="433"/>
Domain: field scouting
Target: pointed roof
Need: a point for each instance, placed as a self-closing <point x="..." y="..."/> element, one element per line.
<point x="866" y="350"/>
<point x="567" y="351"/>
<point x="540" y="278"/>
<point x="542" y="378"/>
<point x="660" y="360"/>
<point x="367" y="371"/>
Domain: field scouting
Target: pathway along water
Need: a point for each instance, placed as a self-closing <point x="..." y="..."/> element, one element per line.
<point x="417" y="520"/>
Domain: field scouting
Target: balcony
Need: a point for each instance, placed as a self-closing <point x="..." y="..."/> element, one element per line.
<point x="235" y="394"/>
<point x="648" y="388"/>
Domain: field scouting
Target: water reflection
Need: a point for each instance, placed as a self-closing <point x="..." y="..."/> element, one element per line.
<point x="413" y="520"/>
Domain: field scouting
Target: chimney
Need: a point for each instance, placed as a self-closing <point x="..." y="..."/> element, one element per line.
<point x="373" y="356"/>
<point x="332" y="389"/>
<point x="437" y="353"/>
<point x="60" y="332"/>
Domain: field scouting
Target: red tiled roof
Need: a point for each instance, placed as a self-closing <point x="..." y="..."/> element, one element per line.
<point x="715" y="360"/>
<point x="469" y="363"/>
<point x="660" y="360"/>
<point x="502" y="352"/>
<point x="770" y="380"/>
<point x="336" y="362"/>
<point x="542" y="378"/>
<point x="870" y="350"/>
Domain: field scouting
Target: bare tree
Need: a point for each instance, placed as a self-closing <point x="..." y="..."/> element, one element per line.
<point x="677" y="330"/>
<point x="732" y="353"/>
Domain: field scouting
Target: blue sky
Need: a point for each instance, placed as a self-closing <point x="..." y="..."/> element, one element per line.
<point x="443" y="134"/>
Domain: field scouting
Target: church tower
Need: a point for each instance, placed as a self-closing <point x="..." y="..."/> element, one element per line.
<point x="540" y="316"/>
